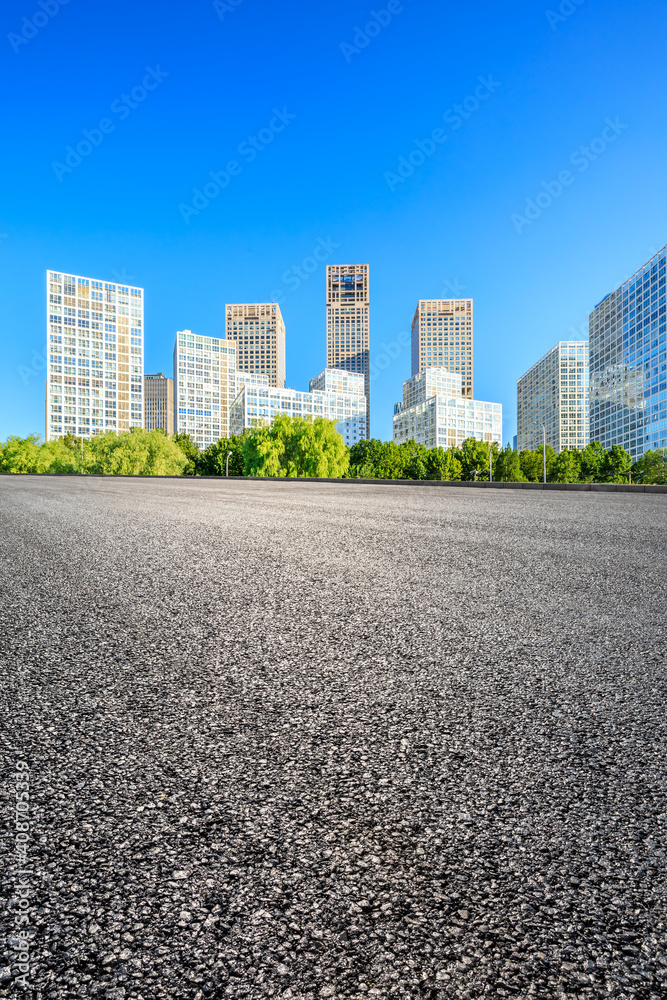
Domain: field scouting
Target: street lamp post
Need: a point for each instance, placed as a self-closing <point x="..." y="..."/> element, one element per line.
<point x="229" y="455"/>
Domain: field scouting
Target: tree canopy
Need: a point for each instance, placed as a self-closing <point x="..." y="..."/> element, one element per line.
<point x="132" y="453"/>
<point x="296" y="446"/>
<point x="301" y="446"/>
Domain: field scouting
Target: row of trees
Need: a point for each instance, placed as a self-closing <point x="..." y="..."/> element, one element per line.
<point x="303" y="447"/>
<point x="476" y="460"/>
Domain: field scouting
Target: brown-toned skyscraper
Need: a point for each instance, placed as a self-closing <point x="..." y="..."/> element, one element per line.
<point x="259" y="332"/>
<point x="442" y="338"/>
<point x="159" y="403"/>
<point x="348" y="323"/>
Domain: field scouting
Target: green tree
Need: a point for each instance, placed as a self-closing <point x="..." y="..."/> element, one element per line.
<point x="443" y="465"/>
<point x="473" y="456"/>
<point x="296" y="446"/>
<point x="376" y="459"/>
<point x="415" y="460"/>
<point x="507" y="466"/>
<point x="592" y="460"/>
<point x="60" y="457"/>
<point x="532" y="463"/>
<point x="191" y="451"/>
<point x="616" y="465"/>
<point x="20" y="454"/>
<point x="566" y="467"/>
<point x="651" y="467"/>
<point x="212" y="461"/>
<point x="134" y="453"/>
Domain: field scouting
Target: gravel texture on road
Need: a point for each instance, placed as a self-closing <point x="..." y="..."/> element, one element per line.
<point x="303" y="740"/>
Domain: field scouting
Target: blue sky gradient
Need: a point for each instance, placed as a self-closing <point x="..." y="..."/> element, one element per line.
<point x="325" y="171"/>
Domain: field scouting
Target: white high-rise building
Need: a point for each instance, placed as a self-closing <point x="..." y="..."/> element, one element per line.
<point x="95" y="347"/>
<point x="554" y="393"/>
<point x="204" y="386"/>
<point x="334" y="395"/>
<point x="348" y="323"/>
<point x="258" y="329"/>
<point x="436" y="414"/>
<point x="442" y="337"/>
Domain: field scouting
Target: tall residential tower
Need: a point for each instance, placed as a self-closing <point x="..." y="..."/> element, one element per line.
<point x="442" y="337"/>
<point x="554" y="392"/>
<point x="628" y="362"/>
<point x="258" y="330"/>
<point x="348" y="323"/>
<point x="204" y="386"/>
<point x="95" y="346"/>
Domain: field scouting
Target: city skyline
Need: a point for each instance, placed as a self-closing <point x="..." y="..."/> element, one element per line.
<point x="431" y="217"/>
<point x="87" y="393"/>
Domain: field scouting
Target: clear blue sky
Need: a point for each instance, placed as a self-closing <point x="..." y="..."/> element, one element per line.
<point x="445" y="230"/>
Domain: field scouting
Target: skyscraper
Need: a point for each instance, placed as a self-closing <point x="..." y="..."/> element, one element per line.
<point x="159" y="403"/>
<point x="442" y="337"/>
<point x="95" y="346"/>
<point x="348" y="323"/>
<point x="628" y="363"/>
<point x="554" y="392"/>
<point x="204" y="386"/>
<point x="258" y="330"/>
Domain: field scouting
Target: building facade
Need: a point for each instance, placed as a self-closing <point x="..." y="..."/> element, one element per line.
<point x="435" y="413"/>
<point x="628" y="363"/>
<point x="555" y="393"/>
<point x="159" y="403"/>
<point x="95" y="347"/>
<point x="442" y="337"/>
<point x="258" y="330"/>
<point x="348" y="323"/>
<point x="204" y="386"/>
<point x="340" y="398"/>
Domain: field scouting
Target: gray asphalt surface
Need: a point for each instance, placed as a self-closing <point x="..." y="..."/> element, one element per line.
<point x="309" y="741"/>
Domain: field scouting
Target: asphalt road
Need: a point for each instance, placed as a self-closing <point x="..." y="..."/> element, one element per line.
<point x="308" y="741"/>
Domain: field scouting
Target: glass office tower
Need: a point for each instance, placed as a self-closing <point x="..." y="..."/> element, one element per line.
<point x="628" y="366"/>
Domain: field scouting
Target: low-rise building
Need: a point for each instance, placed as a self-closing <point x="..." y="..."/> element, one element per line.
<point x="339" y="396"/>
<point x="435" y="414"/>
